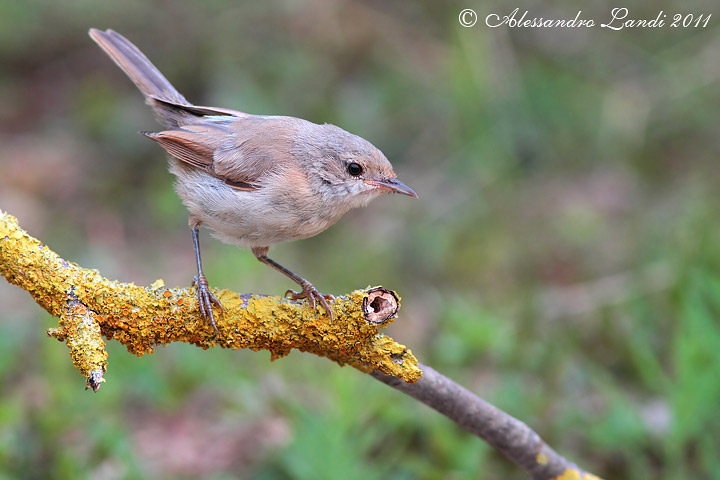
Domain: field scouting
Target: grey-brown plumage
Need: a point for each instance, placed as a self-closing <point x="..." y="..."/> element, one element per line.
<point x="255" y="180"/>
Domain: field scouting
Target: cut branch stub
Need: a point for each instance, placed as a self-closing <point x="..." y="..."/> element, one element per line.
<point x="380" y="305"/>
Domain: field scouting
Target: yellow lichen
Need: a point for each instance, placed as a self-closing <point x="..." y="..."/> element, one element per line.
<point x="575" y="474"/>
<point x="81" y="332"/>
<point x="142" y="317"/>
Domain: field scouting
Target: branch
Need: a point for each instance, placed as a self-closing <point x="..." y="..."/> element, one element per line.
<point x="505" y="433"/>
<point x="89" y="307"/>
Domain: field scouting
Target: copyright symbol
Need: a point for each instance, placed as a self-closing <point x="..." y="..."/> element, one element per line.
<point x="468" y="17"/>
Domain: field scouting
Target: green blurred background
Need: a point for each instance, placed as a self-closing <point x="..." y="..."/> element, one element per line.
<point x="561" y="262"/>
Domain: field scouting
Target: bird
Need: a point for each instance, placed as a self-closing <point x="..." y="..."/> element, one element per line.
<point x="254" y="180"/>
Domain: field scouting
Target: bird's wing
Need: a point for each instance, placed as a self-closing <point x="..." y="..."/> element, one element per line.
<point x="197" y="110"/>
<point x="239" y="152"/>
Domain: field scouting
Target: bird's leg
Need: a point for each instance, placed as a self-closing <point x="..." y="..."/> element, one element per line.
<point x="205" y="298"/>
<point x="308" y="290"/>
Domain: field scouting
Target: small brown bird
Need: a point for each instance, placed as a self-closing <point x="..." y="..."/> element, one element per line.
<point x="255" y="180"/>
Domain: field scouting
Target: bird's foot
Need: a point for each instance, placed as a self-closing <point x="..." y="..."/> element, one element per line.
<point x="313" y="296"/>
<point x="206" y="300"/>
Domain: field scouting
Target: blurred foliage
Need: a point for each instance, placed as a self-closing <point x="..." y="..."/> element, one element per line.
<point x="562" y="260"/>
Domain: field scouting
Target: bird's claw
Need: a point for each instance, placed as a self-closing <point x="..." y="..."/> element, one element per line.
<point x="206" y="300"/>
<point x="313" y="296"/>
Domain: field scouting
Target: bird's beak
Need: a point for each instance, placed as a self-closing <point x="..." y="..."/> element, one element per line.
<point x="393" y="185"/>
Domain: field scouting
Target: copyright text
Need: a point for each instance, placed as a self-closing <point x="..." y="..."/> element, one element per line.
<point x="619" y="18"/>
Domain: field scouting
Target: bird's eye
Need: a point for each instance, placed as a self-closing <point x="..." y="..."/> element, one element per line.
<point x="354" y="169"/>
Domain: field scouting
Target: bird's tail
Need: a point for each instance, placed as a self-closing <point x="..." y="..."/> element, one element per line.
<point x="159" y="93"/>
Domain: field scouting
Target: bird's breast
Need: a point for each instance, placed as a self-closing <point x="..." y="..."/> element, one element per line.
<point x="282" y="209"/>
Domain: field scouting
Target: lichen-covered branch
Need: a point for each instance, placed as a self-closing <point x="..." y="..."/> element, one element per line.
<point x="90" y="306"/>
